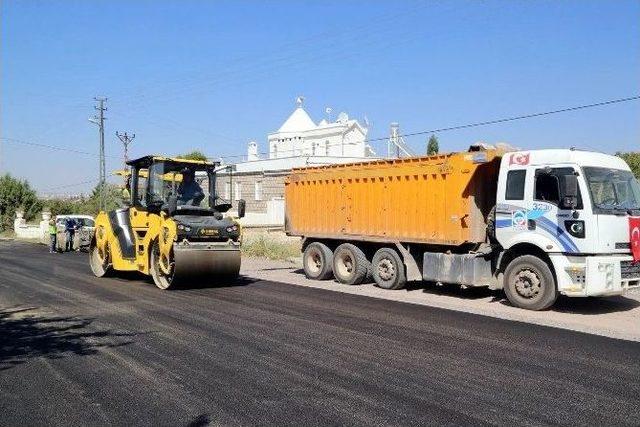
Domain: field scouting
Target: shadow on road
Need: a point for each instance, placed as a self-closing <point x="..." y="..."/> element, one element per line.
<point x="26" y="335"/>
<point x="594" y="305"/>
<point x="587" y="306"/>
<point x="213" y="283"/>
<point x="200" y="421"/>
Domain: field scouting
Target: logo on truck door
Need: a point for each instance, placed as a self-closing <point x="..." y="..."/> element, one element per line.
<point x="519" y="220"/>
<point x="521" y="159"/>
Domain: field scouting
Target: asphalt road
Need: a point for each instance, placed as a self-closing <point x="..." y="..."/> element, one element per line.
<point x="76" y="350"/>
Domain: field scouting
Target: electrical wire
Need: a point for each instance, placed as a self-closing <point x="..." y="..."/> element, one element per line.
<point x="75" y="184"/>
<point x="53" y="147"/>
<point x="477" y="124"/>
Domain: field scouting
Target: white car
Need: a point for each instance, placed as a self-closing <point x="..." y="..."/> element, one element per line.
<point x="82" y="238"/>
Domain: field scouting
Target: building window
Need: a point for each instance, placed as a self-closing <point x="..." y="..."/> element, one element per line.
<point x="227" y="191"/>
<point x="258" y="190"/>
<point x="237" y="191"/>
<point x="275" y="151"/>
<point x="326" y="148"/>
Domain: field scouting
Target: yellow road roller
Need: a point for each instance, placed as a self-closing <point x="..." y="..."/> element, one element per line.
<point x="175" y="226"/>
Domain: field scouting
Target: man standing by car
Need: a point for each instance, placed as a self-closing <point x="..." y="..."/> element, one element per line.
<point x="70" y="232"/>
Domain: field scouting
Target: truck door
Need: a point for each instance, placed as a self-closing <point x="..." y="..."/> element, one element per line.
<point x="530" y="209"/>
<point x="548" y="216"/>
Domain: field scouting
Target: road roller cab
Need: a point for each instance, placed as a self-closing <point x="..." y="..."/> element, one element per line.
<point x="175" y="226"/>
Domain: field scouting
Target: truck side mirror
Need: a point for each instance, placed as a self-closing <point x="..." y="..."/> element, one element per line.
<point x="242" y="207"/>
<point x="570" y="191"/>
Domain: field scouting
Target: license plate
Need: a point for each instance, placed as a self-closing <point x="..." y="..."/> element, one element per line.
<point x="209" y="231"/>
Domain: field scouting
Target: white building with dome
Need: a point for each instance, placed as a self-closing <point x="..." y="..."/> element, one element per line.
<point x="299" y="142"/>
<point x="299" y="135"/>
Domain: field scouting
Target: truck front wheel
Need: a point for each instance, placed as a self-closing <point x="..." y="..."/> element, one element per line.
<point x="529" y="283"/>
<point x="317" y="260"/>
<point x="388" y="269"/>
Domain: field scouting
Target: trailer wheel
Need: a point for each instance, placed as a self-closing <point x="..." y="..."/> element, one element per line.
<point x="317" y="260"/>
<point x="529" y="283"/>
<point x="388" y="269"/>
<point x="350" y="265"/>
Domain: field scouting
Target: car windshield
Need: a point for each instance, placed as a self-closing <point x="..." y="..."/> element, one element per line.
<point x="85" y="222"/>
<point x="188" y="182"/>
<point x="613" y="189"/>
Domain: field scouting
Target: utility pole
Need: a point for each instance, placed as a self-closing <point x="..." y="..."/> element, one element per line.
<point x="126" y="140"/>
<point x="99" y="120"/>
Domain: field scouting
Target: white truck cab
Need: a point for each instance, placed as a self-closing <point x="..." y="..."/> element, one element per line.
<point x="579" y="211"/>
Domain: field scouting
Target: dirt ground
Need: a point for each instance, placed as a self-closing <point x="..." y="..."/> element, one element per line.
<point x="616" y="317"/>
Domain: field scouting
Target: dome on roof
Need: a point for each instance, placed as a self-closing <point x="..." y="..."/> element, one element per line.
<point x="298" y="121"/>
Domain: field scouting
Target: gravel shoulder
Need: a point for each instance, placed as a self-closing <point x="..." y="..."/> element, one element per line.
<point x="615" y="317"/>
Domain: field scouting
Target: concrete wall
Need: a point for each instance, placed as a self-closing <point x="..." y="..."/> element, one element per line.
<point x="31" y="231"/>
<point x="263" y="193"/>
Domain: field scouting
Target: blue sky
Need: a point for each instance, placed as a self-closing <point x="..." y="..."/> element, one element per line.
<point x="212" y="75"/>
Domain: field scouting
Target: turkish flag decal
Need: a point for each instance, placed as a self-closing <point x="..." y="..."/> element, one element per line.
<point x="634" y="237"/>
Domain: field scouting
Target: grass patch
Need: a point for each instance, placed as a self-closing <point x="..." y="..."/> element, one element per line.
<point x="7" y="234"/>
<point x="268" y="247"/>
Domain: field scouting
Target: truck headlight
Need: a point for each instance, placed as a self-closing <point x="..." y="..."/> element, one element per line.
<point x="232" y="228"/>
<point x="182" y="227"/>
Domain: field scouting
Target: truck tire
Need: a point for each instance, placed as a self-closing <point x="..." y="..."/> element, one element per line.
<point x="388" y="269"/>
<point x="350" y="264"/>
<point x="317" y="261"/>
<point x="529" y="283"/>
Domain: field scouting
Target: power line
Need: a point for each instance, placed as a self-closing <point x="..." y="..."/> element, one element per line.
<point x="510" y="119"/>
<point x="51" y="147"/>
<point x="126" y="140"/>
<point x="75" y="184"/>
<point x="477" y="124"/>
<point x="438" y="130"/>
<point x="99" y="120"/>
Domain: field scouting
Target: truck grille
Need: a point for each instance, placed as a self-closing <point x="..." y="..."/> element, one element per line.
<point x="623" y="245"/>
<point x="629" y="270"/>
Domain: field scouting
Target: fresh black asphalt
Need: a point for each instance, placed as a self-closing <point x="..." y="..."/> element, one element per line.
<point x="77" y="350"/>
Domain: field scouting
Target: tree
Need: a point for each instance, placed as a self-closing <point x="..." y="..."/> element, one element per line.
<point x="193" y="155"/>
<point x="633" y="160"/>
<point x="16" y="195"/>
<point x="61" y="206"/>
<point x="432" y="145"/>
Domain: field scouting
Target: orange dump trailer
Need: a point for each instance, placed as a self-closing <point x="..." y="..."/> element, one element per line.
<point x="441" y="200"/>
<point x="377" y="219"/>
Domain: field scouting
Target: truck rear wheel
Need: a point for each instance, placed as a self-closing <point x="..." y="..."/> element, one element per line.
<point x="317" y="260"/>
<point x="350" y="265"/>
<point x="388" y="269"/>
<point x="529" y="283"/>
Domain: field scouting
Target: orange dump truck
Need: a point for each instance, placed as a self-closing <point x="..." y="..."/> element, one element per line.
<point x="535" y="223"/>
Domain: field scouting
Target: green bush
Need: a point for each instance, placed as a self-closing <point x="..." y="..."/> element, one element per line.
<point x="267" y="247"/>
<point x="16" y="195"/>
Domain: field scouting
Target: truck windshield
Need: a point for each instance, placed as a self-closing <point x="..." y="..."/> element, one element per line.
<point x="612" y="189"/>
